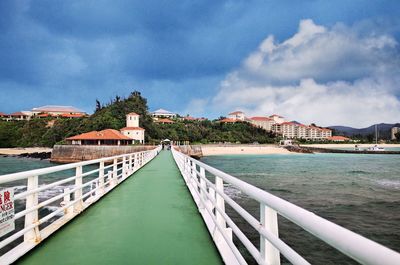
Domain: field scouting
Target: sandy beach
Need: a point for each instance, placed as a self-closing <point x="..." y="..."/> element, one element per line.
<point x="350" y="145"/>
<point x="18" y="151"/>
<point x="210" y="150"/>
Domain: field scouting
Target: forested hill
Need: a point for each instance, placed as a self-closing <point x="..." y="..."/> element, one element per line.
<point x="42" y="132"/>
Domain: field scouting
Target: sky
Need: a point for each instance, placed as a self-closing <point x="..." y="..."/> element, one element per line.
<point x="313" y="61"/>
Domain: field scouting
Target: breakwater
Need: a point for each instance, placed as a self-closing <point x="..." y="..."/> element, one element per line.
<point x="76" y="153"/>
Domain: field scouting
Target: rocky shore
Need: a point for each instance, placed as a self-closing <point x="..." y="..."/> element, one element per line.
<point x="34" y="152"/>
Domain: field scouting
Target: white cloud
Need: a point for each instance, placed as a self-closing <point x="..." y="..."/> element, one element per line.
<point x="333" y="76"/>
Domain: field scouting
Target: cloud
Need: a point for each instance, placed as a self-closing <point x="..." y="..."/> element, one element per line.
<point x="325" y="75"/>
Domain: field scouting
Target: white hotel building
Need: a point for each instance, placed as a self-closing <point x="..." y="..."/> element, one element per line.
<point x="289" y="130"/>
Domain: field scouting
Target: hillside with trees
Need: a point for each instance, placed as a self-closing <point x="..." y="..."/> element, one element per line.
<point x="50" y="131"/>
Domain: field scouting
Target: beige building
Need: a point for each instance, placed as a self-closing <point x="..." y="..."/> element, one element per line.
<point x="394" y="131"/>
<point x="237" y="115"/>
<point x="55" y="110"/>
<point x="277" y="118"/>
<point x="132" y="129"/>
<point x="262" y="122"/>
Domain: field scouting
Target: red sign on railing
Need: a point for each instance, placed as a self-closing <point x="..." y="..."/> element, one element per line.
<point x="6" y="211"/>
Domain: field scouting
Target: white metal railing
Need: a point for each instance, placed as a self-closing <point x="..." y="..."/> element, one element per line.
<point x="75" y="198"/>
<point x="210" y="199"/>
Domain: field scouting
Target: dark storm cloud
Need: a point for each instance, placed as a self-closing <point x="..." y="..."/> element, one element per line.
<point x="71" y="52"/>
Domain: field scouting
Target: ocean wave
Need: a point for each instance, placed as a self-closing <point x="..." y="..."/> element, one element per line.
<point x="389" y="183"/>
<point x="358" y="172"/>
<point x="53" y="209"/>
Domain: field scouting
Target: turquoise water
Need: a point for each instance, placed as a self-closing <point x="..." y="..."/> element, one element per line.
<point x="359" y="192"/>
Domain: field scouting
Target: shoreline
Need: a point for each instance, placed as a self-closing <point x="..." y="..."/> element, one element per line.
<point x="215" y="150"/>
<point x="349" y="145"/>
<point x="21" y="150"/>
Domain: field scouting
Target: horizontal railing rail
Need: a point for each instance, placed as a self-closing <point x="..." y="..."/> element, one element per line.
<point x="77" y="194"/>
<point x="211" y="198"/>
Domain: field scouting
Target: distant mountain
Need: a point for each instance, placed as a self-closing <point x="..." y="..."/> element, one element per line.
<point x="384" y="130"/>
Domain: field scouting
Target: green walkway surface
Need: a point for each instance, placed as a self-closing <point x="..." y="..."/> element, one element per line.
<point x="149" y="219"/>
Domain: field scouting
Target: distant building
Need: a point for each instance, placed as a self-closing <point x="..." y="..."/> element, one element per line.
<point x="262" y="122"/>
<point x="132" y="129"/>
<point x="162" y="113"/>
<point x="4" y="116"/>
<point x="21" y="116"/>
<point x="104" y="137"/>
<point x="338" y="139"/>
<point x="292" y="130"/>
<point x="164" y="121"/>
<point x="228" y="120"/>
<point x="190" y="118"/>
<point x="394" y="131"/>
<point x="63" y="111"/>
<point x="277" y="118"/>
<point x="236" y="115"/>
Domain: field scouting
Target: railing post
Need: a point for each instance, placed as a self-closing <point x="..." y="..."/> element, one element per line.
<point x="78" y="193"/>
<point x="32" y="217"/>
<point x="111" y="178"/>
<point x="115" y="169"/>
<point x="220" y="203"/>
<point x="203" y="187"/>
<point x="69" y="211"/>
<point x="100" y="191"/>
<point x="124" y="172"/>
<point x="269" y="220"/>
<point x="130" y="164"/>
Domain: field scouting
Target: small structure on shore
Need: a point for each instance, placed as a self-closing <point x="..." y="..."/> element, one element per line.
<point x="126" y="136"/>
<point x="104" y="137"/>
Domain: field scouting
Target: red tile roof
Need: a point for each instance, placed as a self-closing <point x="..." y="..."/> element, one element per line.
<point x="164" y="121"/>
<point x="235" y="112"/>
<point x="338" y="138"/>
<point x="228" y="120"/>
<point x="260" y="119"/>
<point x="108" y="134"/>
<point x="288" y="123"/>
<point x="133" y="114"/>
<point x="276" y="115"/>
<point x="43" y="115"/>
<point x="69" y="115"/>
<point x="2" y="114"/>
<point x="18" y="114"/>
<point x="131" y="129"/>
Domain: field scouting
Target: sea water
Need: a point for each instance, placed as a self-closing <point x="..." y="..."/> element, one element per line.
<point x="359" y="192"/>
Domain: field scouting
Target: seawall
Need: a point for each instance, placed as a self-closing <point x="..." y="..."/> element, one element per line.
<point x="77" y="153"/>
